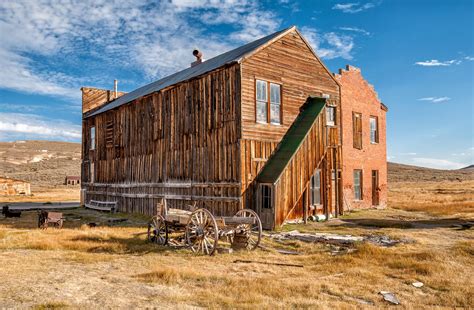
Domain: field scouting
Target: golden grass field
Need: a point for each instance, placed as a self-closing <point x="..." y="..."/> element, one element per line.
<point x="114" y="267"/>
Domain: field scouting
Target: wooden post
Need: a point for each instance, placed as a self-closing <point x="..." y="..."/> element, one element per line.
<point x="305" y="206"/>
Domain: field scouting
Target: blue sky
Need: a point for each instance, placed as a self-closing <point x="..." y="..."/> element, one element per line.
<point x="419" y="55"/>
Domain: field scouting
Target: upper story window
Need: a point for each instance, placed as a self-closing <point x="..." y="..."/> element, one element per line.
<point x="357" y="130"/>
<point x="374" y="129"/>
<point x="330" y="115"/>
<point x="92" y="138"/>
<point x="268" y="102"/>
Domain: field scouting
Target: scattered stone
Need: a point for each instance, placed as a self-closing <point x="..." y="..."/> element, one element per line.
<point x="390" y="297"/>
<point x="417" y="284"/>
<point x="317" y="237"/>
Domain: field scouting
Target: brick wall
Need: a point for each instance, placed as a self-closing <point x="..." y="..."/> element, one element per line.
<point x="359" y="96"/>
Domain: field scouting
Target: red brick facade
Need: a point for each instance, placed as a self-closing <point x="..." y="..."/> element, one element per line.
<point x="358" y="96"/>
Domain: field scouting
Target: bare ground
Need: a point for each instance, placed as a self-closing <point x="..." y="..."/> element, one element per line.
<point x="113" y="267"/>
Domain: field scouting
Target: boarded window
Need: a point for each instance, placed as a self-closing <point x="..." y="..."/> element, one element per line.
<point x="330" y="116"/>
<point x="315" y="188"/>
<point x="275" y="103"/>
<point x="109" y="133"/>
<point x="357" y="130"/>
<point x="358" y="184"/>
<point x="266" y="193"/>
<point x="374" y="130"/>
<point x="262" y="101"/>
<point x="92" y="172"/>
<point x="92" y="138"/>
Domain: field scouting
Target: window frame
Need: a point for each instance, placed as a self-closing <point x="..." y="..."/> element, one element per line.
<point x="263" y="197"/>
<point x="359" y="197"/>
<point x="268" y="103"/>
<point x="333" y="122"/>
<point x="357" y="137"/>
<point x="376" y="135"/>
<point x="93" y="136"/>
<point x="313" y="188"/>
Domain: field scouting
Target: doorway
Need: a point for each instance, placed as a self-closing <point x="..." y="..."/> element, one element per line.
<point x="375" y="187"/>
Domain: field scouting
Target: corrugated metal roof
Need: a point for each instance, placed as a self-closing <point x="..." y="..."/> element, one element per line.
<point x="291" y="141"/>
<point x="229" y="57"/>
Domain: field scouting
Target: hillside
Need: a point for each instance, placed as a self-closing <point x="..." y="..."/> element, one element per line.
<point x="46" y="163"/>
<point x="43" y="163"/>
<point x="406" y="173"/>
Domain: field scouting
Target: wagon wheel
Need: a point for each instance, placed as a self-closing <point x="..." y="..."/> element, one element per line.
<point x="202" y="233"/>
<point x="253" y="231"/>
<point x="158" y="230"/>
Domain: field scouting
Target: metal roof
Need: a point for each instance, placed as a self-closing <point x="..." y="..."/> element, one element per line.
<point x="229" y="57"/>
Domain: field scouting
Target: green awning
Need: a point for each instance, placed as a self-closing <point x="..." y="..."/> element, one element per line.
<point x="292" y="140"/>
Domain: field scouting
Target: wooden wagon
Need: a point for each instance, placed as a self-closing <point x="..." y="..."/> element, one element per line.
<point x="46" y="219"/>
<point x="200" y="230"/>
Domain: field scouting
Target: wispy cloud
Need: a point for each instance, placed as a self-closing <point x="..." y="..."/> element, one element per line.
<point x="154" y="37"/>
<point x="354" y="7"/>
<point x="435" y="99"/>
<point x="32" y="126"/>
<point x="355" y="29"/>
<point x="469" y="58"/>
<point x="437" y="163"/>
<point x="329" y="45"/>
<point x="409" y="154"/>
<point x="437" y="63"/>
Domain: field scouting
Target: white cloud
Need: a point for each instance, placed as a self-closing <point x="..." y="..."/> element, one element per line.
<point x="155" y="37"/>
<point x="435" y="99"/>
<point x="329" y="45"/>
<point x="409" y="154"/>
<point x="437" y="63"/>
<point x="469" y="58"/>
<point x="31" y="126"/>
<point x="355" y="29"/>
<point x="437" y="163"/>
<point x="354" y="7"/>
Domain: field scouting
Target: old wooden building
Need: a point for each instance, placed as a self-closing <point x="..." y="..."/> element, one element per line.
<point x="13" y="187"/>
<point x="256" y="127"/>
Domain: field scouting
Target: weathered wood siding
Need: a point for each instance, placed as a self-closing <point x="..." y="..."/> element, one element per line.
<point x="290" y="63"/>
<point x="182" y="143"/>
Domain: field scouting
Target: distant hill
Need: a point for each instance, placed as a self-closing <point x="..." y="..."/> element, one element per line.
<point x="43" y="163"/>
<point x="468" y="168"/>
<point x="400" y="173"/>
<point x="46" y="163"/>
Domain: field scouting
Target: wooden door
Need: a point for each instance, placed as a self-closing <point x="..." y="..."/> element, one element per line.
<point x="375" y="187"/>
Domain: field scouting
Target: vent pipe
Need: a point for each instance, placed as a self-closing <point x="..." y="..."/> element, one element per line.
<point x="198" y="56"/>
<point x="115" y="89"/>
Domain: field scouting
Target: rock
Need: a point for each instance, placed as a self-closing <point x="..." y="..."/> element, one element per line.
<point x="390" y="297"/>
<point x="417" y="284"/>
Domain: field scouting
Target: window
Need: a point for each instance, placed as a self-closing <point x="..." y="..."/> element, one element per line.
<point x="358" y="184"/>
<point x="92" y="138"/>
<point x="357" y="130"/>
<point x="92" y="172"/>
<point x="262" y="101"/>
<point x="275" y="102"/>
<point x="330" y="115"/>
<point x="315" y="188"/>
<point x="374" y="130"/>
<point x="266" y="197"/>
<point x="268" y="102"/>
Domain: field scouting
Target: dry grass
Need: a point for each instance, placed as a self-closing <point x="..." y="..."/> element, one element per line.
<point x="438" y="198"/>
<point x="113" y="267"/>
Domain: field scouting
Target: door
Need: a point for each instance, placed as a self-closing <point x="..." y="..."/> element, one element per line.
<point x="375" y="187"/>
<point x="265" y="203"/>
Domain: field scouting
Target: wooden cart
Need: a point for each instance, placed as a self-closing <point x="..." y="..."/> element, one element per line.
<point x="200" y="230"/>
<point x="46" y="219"/>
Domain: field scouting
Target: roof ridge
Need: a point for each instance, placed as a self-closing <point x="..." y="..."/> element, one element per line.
<point x="232" y="56"/>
